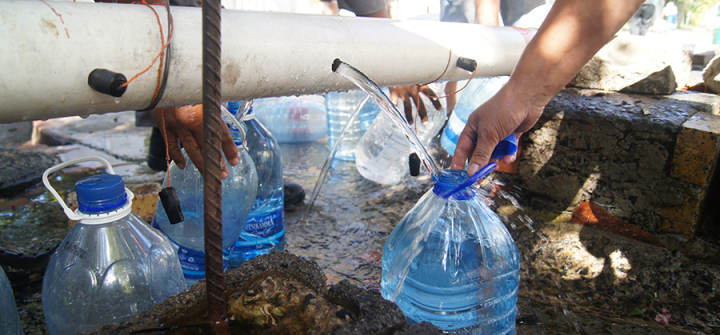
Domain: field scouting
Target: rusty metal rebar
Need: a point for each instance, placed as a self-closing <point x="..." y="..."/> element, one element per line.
<point x="212" y="156"/>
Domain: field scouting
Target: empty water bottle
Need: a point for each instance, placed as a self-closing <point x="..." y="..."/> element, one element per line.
<point x="9" y="318"/>
<point x="264" y="230"/>
<point x="383" y="151"/>
<point x="238" y="193"/>
<point x="475" y="94"/>
<point x="293" y="119"/>
<point x="111" y="265"/>
<point x="451" y="261"/>
<point x="340" y="106"/>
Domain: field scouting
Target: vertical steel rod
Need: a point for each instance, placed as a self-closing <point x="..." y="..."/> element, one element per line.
<point x="212" y="157"/>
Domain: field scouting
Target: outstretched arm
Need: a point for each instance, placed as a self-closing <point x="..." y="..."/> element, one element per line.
<point x="572" y="33"/>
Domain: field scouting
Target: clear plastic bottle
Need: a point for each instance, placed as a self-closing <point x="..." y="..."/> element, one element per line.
<point x="340" y="106"/>
<point x="111" y="265"/>
<point x="264" y="230"/>
<point x="9" y="318"/>
<point x="293" y="119"/>
<point x="238" y="194"/>
<point x="475" y="94"/>
<point x="451" y="261"/>
<point x="382" y="152"/>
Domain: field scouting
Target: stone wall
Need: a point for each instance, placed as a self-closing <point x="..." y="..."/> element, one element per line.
<point x="617" y="150"/>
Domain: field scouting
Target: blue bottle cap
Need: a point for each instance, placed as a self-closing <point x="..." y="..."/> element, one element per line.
<point x="101" y="193"/>
<point x="507" y="146"/>
<point x="233" y="106"/>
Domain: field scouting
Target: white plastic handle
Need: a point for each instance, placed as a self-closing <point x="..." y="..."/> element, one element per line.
<point x="70" y="214"/>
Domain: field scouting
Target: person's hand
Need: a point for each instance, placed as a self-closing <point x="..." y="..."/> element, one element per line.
<point x="410" y="94"/>
<point x="503" y="114"/>
<point x="184" y="126"/>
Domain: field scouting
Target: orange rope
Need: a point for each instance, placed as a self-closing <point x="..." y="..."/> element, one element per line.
<point x="442" y="74"/>
<point x="161" y="54"/>
<point x="468" y="82"/>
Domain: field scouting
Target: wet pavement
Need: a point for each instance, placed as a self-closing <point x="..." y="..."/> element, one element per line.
<point x="574" y="279"/>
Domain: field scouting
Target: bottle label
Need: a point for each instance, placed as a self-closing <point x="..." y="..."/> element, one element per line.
<point x="262" y="226"/>
<point x="193" y="262"/>
<point x="454" y="128"/>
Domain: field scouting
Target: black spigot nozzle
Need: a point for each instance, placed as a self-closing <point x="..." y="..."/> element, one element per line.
<point x="466" y="64"/>
<point x="108" y="82"/>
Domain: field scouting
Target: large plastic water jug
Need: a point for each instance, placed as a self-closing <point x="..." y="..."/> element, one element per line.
<point x="9" y="318"/>
<point x="264" y="230"/>
<point x="293" y="119"/>
<point x="451" y="261"/>
<point x="238" y="195"/>
<point x="340" y="107"/>
<point x="111" y="265"/>
<point x="383" y="151"/>
<point x="473" y="95"/>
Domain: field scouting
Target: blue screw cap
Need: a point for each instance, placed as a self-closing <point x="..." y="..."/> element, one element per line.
<point x="100" y="193"/>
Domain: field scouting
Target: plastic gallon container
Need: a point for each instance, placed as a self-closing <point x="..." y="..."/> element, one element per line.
<point x="383" y="151"/>
<point x="111" y="265"/>
<point x="264" y="230"/>
<point x="340" y="106"/>
<point x="238" y="195"/>
<point x="451" y="261"/>
<point x="293" y="119"/>
<point x="9" y="318"/>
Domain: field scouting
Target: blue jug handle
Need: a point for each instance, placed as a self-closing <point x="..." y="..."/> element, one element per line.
<point x="472" y="180"/>
<point x="507" y="146"/>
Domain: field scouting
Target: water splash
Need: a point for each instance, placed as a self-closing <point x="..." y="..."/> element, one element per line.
<point x="374" y="91"/>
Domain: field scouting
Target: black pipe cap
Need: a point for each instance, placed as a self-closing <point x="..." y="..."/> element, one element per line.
<point x="108" y="82"/>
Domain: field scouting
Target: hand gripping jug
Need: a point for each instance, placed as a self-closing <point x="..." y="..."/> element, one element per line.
<point x="238" y="194"/>
<point x="9" y="318"/>
<point x="451" y="261"/>
<point x="111" y="265"/>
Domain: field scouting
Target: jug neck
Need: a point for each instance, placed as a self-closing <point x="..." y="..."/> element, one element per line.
<point x="448" y="180"/>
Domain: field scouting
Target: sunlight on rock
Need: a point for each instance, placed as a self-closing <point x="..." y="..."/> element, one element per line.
<point x="620" y="264"/>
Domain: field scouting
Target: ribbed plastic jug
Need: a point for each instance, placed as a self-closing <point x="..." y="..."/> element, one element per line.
<point x="9" y="318"/>
<point x="451" y="261"/>
<point x="264" y="230"/>
<point x="293" y="119"/>
<point x="238" y="194"/>
<point x="111" y="265"/>
<point x="383" y="151"/>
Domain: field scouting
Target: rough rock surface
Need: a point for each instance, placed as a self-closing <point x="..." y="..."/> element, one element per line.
<point x="363" y="311"/>
<point x="636" y="64"/>
<point x="613" y="148"/>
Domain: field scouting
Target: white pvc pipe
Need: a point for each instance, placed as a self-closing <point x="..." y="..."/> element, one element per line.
<point x="49" y="48"/>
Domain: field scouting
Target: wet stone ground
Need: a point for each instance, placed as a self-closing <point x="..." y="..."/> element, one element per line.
<point x="574" y="279"/>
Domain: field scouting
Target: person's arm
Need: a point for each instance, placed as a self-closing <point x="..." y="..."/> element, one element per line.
<point x="488" y="12"/>
<point x="572" y="33"/>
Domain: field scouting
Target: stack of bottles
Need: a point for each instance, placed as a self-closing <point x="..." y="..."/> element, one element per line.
<point x="264" y="230"/>
<point x="293" y="119"/>
<point x="238" y="195"/>
<point x="340" y="107"/>
<point x="451" y="261"/>
<point x="382" y="152"/>
<point x="473" y="95"/>
<point x="9" y="318"/>
<point x="111" y="265"/>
